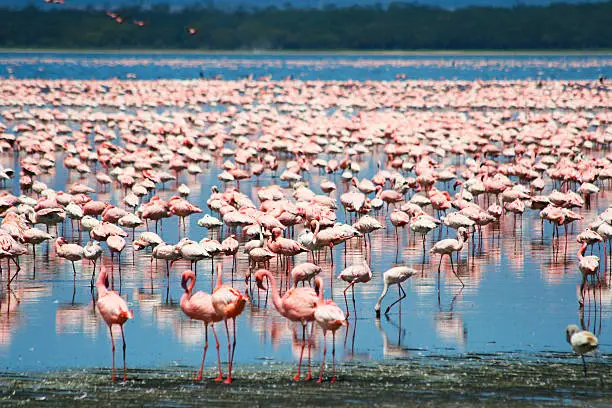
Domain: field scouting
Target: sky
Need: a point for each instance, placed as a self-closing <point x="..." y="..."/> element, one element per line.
<point x="450" y="4"/>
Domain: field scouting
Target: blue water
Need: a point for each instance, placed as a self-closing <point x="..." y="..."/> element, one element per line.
<point x="150" y="66"/>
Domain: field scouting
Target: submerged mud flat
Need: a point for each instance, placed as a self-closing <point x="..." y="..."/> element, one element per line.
<point x="549" y="380"/>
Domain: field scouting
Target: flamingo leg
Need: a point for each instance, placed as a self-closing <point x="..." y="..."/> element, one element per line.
<point x="199" y="376"/>
<point x="453" y="268"/>
<point x="333" y="379"/>
<point x="93" y="274"/>
<point x="320" y="380"/>
<point x="113" y="376"/>
<point x="353" y="295"/>
<point x="299" y="370"/>
<point x="348" y="313"/>
<point x="218" y="345"/>
<point x="124" y="366"/>
<point x="584" y="365"/>
<point x="228" y="380"/>
<point x="402" y="295"/>
<point x="309" y="375"/>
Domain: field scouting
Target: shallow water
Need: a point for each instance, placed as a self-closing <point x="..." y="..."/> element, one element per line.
<point x="309" y="66"/>
<point x="501" y="338"/>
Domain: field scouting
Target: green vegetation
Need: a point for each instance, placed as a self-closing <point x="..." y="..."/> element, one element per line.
<point x="398" y="27"/>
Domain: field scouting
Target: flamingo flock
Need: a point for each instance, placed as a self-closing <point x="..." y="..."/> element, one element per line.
<point x="279" y="226"/>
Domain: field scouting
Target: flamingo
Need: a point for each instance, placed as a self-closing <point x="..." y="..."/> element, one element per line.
<point x="422" y="225"/>
<point x="296" y="305"/>
<point x="447" y="247"/>
<point x="399" y="219"/>
<point x="92" y="251"/>
<point x="229" y="303"/>
<point x="71" y="252"/>
<point x="394" y="276"/>
<point x="358" y="273"/>
<point x="582" y="342"/>
<point x="366" y="225"/>
<point x="588" y="266"/>
<point x="229" y="247"/>
<point x="116" y="244"/>
<point x="113" y="310"/>
<point x="329" y="317"/>
<point x="199" y="306"/>
<point x="166" y="252"/>
<point x="304" y="272"/>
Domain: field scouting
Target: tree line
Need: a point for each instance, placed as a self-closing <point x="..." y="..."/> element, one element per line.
<point x="399" y="26"/>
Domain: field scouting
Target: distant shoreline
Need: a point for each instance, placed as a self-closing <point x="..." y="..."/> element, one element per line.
<point x="441" y="53"/>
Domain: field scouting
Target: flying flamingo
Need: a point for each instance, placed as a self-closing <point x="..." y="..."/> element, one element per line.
<point x="113" y="310"/>
<point x="228" y="303"/>
<point x="330" y="317"/>
<point x="447" y="247"/>
<point x="199" y="306"/>
<point x="297" y="305"/>
<point x="359" y="273"/>
<point x="394" y="276"/>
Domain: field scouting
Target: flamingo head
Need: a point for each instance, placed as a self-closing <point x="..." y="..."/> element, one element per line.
<point x="276" y="232"/>
<point x="457" y="183"/>
<point x="185" y="278"/>
<point x="259" y="275"/>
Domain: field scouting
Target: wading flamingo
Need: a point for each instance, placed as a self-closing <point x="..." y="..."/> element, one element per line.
<point x="359" y="273"/>
<point x="199" y="306"/>
<point x="394" y="276"/>
<point x="113" y="310"/>
<point x="229" y="303"/>
<point x="330" y="317"/>
<point x="447" y="247"/>
<point x="582" y="342"/>
<point x="297" y="305"/>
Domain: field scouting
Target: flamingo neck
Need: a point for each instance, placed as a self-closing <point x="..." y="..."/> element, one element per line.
<point x="382" y="295"/>
<point x="276" y="299"/>
<point x="316" y="232"/>
<point x="101" y="284"/>
<point x="581" y="251"/>
<point x="219" y="276"/>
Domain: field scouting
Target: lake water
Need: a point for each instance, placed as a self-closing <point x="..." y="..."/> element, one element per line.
<point x="521" y="285"/>
<point x="149" y="66"/>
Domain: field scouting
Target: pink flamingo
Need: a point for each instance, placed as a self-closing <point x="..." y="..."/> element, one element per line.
<point x="284" y="246"/>
<point x="71" y="252"/>
<point x="447" y="247"/>
<point x="330" y="317"/>
<point x="182" y="208"/>
<point x="116" y="244"/>
<point x="199" y="306"/>
<point x="359" y="273"/>
<point x="113" y="310"/>
<point x="588" y="266"/>
<point x="297" y="305"/>
<point x="229" y="303"/>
